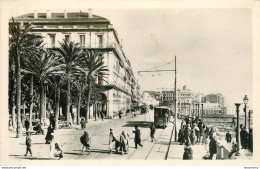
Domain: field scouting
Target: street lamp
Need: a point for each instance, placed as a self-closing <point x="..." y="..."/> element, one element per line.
<point x="202" y="113"/>
<point x="198" y="111"/>
<point x="245" y="102"/>
<point x="238" y="131"/>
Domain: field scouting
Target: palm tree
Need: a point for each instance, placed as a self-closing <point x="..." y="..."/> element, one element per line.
<point x="93" y="63"/>
<point x="42" y="64"/>
<point x="20" y="38"/>
<point x="80" y="85"/>
<point x="56" y="81"/>
<point x="70" y="53"/>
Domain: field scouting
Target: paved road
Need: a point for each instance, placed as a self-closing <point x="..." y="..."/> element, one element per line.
<point x="70" y="141"/>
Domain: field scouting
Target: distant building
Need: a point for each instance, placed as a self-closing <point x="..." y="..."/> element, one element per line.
<point x="214" y="98"/>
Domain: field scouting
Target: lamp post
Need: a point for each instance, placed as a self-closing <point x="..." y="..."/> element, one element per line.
<point x="202" y="113"/>
<point x="249" y="118"/>
<point x="238" y="130"/>
<point x="193" y="109"/>
<point x="245" y="102"/>
<point x="198" y="111"/>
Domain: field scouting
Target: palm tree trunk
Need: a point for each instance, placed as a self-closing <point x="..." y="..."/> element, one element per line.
<point x="88" y="100"/>
<point x="31" y="102"/>
<point x="57" y="108"/>
<point x="68" y="97"/>
<point x="78" y="109"/>
<point x="42" y="103"/>
<point x="18" y="94"/>
<point x="13" y="117"/>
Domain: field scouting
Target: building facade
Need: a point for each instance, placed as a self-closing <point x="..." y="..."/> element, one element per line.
<point x="91" y="32"/>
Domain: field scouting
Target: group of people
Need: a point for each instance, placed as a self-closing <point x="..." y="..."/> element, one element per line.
<point x="193" y="131"/>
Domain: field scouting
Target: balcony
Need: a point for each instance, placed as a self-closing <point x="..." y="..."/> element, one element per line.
<point x="114" y="46"/>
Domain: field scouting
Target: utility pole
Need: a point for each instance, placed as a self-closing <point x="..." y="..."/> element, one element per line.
<point x="175" y="100"/>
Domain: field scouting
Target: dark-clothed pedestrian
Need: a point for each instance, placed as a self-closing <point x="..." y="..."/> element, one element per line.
<point x="212" y="148"/>
<point x="137" y="137"/>
<point x="181" y="138"/>
<point x="52" y="120"/>
<point x="192" y="136"/>
<point x="244" y="138"/>
<point x="83" y="123"/>
<point x="85" y="140"/>
<point x="48" y="135"/>
<point x="27" y="124"/>
<point x="28" y="143"/>
<point x="102" y="115"/>
<point x="152" y="131"/>
<point x="228" y="137"/>
<point x="188" y="152"/>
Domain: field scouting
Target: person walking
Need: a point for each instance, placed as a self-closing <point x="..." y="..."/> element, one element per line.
<point x="27" y="124"/>
<point x="111" y="140"/>
<point x="152" y="132"/>
<point x="28" y="143"/>
<point x="137" y="137"/>
<point x="188" y="152"/>
<point x="85" y="140"/>
<point x="48" y="137"/>
<point x="228" y="137"/>
<point x="124" y="143"/>
<point x="197" y="132"/>
<point x="102" y="115"/>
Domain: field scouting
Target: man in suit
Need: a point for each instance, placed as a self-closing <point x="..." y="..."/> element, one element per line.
<point x="137" y="137"/>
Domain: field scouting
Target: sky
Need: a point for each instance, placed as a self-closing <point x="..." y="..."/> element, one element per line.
<point x="213" y="47"/>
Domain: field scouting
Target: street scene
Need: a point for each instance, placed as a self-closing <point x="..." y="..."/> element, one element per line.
<point x="90" y="85"/>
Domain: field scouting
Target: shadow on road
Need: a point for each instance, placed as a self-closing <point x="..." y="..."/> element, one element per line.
<point x="143" y="124"/>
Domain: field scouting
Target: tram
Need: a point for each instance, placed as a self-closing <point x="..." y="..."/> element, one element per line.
<point x="161" y="116"/>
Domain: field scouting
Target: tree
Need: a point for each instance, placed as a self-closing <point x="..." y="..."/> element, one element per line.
<point x="70" y="53"/>
<point x="95" y="68"/>
<point x="20" y="38"/>
<point x="42" y="64"/>
<point x="80" y="85"/>
<point x="56" y="81"/>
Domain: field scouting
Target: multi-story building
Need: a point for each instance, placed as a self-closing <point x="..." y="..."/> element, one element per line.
<point x="91" y="32"/>
<point x="214" y="98"/>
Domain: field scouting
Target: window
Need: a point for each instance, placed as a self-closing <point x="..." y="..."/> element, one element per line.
<point x="100" y="40"/>
<point x="82" y="40"/>
<point x="67" y="38"/>
<point x="52" y="37"/>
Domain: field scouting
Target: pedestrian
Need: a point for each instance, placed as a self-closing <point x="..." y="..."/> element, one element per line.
<point x="82" y="123"/>
<point x="188" y="152"/>
<point x="192" y="136"/>
<point x="197" y="133"/>
<point x="27" y="124"/>
<point x="102" y="115"/>
<point x="28" y="143"/>
<point x="85" y="140"/>
<point x="48" y="135"/>
<point x="120" y="114"/>
<point x="124" y="143"/>
<point x="187" y="133"/>
<point x="137" y="137"/>
<point x="212" y="148"/>
<point x="234" y="150"/>
<point x="228" y="137"/>
<point x="111" y="140"/>
<point x="244" y="138"/>
<point x="181" y="136"/>
<point x="152" y="131"/>
<point x="183" y="124"/>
